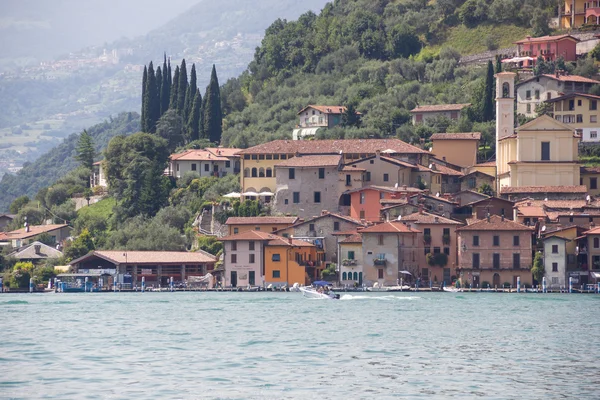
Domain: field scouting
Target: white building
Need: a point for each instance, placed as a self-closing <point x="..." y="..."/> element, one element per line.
<point x="555" y="261"/>
<point x="205" y="162"/>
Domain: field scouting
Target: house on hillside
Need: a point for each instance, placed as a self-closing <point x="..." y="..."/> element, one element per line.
<point x="536" y="90"/>
<point x="573" y="14"/>
<point x="36" y="251"/>
<point x="30" y="234"/>
<point x="550" y="48"/>
<point x="237" y="225"/>
<point x="205" y="162"/>
<point x="313" y="117"/>
<point x="98" y="177"/>
<point x="421" y="114"/>
<point x="579" y="111"/>
<point x="457" y="148"/>
<point x="5" y="219"/>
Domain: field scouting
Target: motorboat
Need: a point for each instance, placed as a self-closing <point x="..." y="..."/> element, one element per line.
<point x="380" y="288"/>
<point x="452" y="289"/>
<point x="318" y="290"/>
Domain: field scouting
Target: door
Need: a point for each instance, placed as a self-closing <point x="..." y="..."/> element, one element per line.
<point x="251" y="278"/>
<point x="447" y="280"/>
<point x="515" y="280"/>
<point x="233" y="278"/>
<point x="360" y="278"/>
<point x="475" y="281"/>
<point x="496" y="280"/>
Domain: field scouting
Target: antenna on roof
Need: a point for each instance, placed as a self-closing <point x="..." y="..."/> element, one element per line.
<point x="544" y="228"/>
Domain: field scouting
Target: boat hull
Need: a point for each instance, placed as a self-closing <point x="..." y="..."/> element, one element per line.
<point x="313" y="294"/>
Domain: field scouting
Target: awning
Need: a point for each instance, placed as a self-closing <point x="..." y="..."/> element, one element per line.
<point x="517" y="59"/>
<point x="232" y="195"/>
<point x="253" y="194"/>
<point x="405" y="272"/>
<point x="299" y="134"/>
<point x="263" y="194"/>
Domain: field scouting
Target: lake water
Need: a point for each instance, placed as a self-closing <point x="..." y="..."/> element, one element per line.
<point x="280" y="345"/>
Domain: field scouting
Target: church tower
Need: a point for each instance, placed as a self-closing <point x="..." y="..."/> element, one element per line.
<point x="505" y="120"/>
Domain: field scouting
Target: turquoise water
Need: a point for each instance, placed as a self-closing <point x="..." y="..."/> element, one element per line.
<point x="280" y="345"/>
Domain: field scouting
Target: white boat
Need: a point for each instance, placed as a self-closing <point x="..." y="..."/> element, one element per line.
<point x="312" y="293"/>
<point x="452" y="289"/>
<point x="380" y="288"/>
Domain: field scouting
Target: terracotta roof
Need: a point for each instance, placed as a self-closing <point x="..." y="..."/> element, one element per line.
<point x="428" y="218"/>
<point x="546" y="39"/>
<point x="393" y="201"/>
<point x="495" y="224"/>
<point x="326" y="109"/>
<point x="98" y="162"/>
<point x="388" y="227"/>
<point x="356" y="238"/>
<point x="352" y="168"/>
<point x="196" y="155"/>
<point x="479" y="172"/>
<point x="457" y="136"/>
<point x="399" y="189"/>
<point x="261" y="220"/>
<point x="486" y="164"/>
<point x="531" y="211"/>
<point x="590" y="170"/>
<point x="223" y="151"/>
<point x="489" y="199"/>
<point x="29" y="252"/>
<point x="595" y="231"/>
<point x="572" y="78"/>
<point x="33" y="231"/>
<point x="440" y="107"/>
<point x="311" y="161"/>
<point x="398" y="162"/>
<point x="272" y="240"/>
<point x="571" y="95"/>
<point x="543" y="189"/>
<point x="324" y="215"/>
<point x="149" y="257"/>
<point x="436" y="198"/>
<point x="353" y="146"/>
<point x="447" y="171"/>
<point x="565" y="204"/>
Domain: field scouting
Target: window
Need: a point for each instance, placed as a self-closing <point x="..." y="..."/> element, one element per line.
<point x="235" y="231"/>
<point x="381" y="195"/>
<point x="177" y="167"/>
<point x="380" y="273"/>
<point x="446" y="232"/>
<point x="251" y="245"/>
<point x="251" y="258"/>
<point x="427" y="250"/>
<point x="368" y="176"/>
<point x="528" y="108"/>
<point x="528" y="95"/>
<point x="436" y="250"/>
<point x="276" y="257"/>
<point x="291" y="173"/>
<point x="350" y="255"/>
<point x="227" y="164"/>
<point x="311" y="227"/>
<point x="194" y="167"/>
<point x="380" y="239"/>
<point x="594" y="135"/>
<point x="275" y="156"/>
<point x="427" y="231"/>
<point x="579" y="103"/>
<point x="447" y="251"/>
<point x="269" y="173"/>
<point x="496" y="261"/>
<point x="234" y="258"/>
<point x="276" y="273"/>
<point x="596" y="242"/>
<point x="296" y="197"/>
<point x="206" y="167"/>
<point x="261" y="172"/>
<point x="362" y="214"/>
<point x="246" y="172"/>
<point x="475" y="240"/>
<point x="257" y="228"/>
<point x="425" y="273"/>
<point x="386" y="177"/>
<point x="254" y="172"/>
<point x="579" y="118"/>
<point x="233" y="246"/>
<point x="554" y="249"/>
<point x="362" y="198"/>
<point x="317" y="197"/>
<point x="286" y="201"/>
<point x="336" y="226"/>
<point x="545" y="151"/>
<point x="261" y="156"/>
<point x="321" y="173"/>
<point x="475" y="260"/>
<point x="593" y="105"/>
<point x="571" y="105"/>
<point x="283" y="157"/>
<point x="554" y="267"/>
<point x="348" y="180"/>
<point x="537" y="94"/>
<point x="593" y="183"/>
<point x="516" y="260"/>
<point x="472" y="182"/>
<point x="496" y="240"/>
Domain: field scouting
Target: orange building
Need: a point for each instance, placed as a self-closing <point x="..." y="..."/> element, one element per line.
<point x="365" y="203"/>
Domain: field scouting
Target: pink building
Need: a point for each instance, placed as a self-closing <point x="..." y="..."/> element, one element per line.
<point x="548" y="47"/>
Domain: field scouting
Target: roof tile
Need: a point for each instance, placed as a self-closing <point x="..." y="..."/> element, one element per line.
<point x="440" y="107"/>
<point x="353" y="146"/>
<point x="457" y="136"/>
<point x="496" y="223"/>
<point x="260" y="220"/>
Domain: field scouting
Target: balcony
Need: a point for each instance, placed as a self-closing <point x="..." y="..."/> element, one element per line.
<point x="379" y="262"/>
<point x="349" y="263"/>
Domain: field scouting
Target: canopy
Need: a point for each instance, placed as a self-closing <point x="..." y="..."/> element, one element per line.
<point x="321" y="283"/>
<point x="266" y="194"/>
<point x="405" y="272"/>
<point x="517" y="59"/>
<point x="233" y="195"/>
<point x="254" y="194"/>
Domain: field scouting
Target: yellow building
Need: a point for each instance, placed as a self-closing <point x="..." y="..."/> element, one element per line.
<point x="590" y="177"/>
<point x="543" y="152"/>
<point x="457" y="148"/>
<point x="575" y="13"/>
<point x="237" y="225"/>
<point x="579" y="111"/>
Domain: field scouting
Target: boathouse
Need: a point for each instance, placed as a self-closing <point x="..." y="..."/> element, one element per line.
<point x="156" y="267"/>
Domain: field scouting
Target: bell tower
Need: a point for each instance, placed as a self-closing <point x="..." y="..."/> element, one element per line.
<point x="505" y="104"/>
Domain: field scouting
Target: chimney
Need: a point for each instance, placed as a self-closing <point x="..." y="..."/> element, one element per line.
<point x="37" y="248"/>
<point x="444" y="158"/>
<point x="502" y="217"/>
<point x="420" y="208"/>
<point x="377" y="153"/>
<point x="26" y="227"/>
<point x="436" y="219"/>
<point x="290" y="240"/>
<point x="488" y="217"/>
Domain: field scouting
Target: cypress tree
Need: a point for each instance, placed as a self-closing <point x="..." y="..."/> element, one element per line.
<point x="143" y="113"/>
<point x="159" y="81"/>
<point x="213" y="119"/>
<point x="170" y="75"/>
<point x="152" y="105"/>
<point x="182" y="87"/>
<point x="165" y="89"/>
<point x="487" y="112"/>
<point x="190" y="93"/>
<point x="193" y="125"/>
<point x="85" y="150"/>
<point x="174" y="87"/>
<point x="498" y="65"/>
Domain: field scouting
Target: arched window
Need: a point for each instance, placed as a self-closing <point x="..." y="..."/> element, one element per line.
<point x="356" y="276"/>
<point x="261" y="173"/>
<point x="246" y="172"/>
<point x="344" y="276"/>
<point x="505" y="90"/>
<point x="254" y="173"/>
<point x="269" y="172"/>
<point x="596" y="243"/>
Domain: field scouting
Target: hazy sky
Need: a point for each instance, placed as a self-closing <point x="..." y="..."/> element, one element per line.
<point x="46" y="28"/>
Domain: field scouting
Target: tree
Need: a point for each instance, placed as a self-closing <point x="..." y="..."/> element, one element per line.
<point x="210" y="244"/>
<point x="171" y="128"/>
<point x="182" y="87"/>
<point x="213" y="119"/>
<point x="498" y="64"/>
<point x="486" y="189"/>
<point x="350" y="117"/>
<point x="174" y="89"/>
<point x="537" y="269"/>
<point x="159" y="82"/>
<point x="144" y="83"/>
<point x="586" y="67"/>
<point x="193" y="125"/>
<point x="80" y="246"/>
<point x="18" y="204"/>
<point x="487" y="112"/>
<point x="152" y="102"/>
<point x="402" y="42"/>
<point x="190" y="94"/>
<point x="85" y="150"/>
<point x="165" y="89"/>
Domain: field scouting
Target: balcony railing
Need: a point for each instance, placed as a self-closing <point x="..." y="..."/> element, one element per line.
<point x="349" y="263"/>
<point x="379" y="261"/>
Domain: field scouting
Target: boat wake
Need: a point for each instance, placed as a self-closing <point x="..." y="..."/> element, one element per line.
<point x="383" y="298"/>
